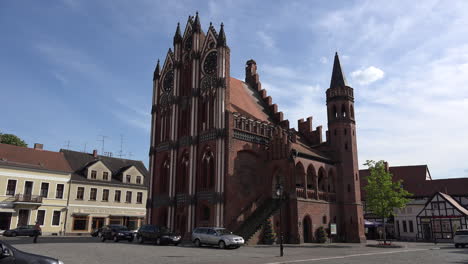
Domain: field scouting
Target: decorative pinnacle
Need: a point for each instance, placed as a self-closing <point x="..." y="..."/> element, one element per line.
<point x="338" y="79"/>
<point x="177" y="36"/>
<point x="156" y="71"/>
<point x="222" y="37"/>
<point x="196" y="23"/>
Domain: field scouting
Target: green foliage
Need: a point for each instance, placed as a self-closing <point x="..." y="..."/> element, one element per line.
<point x="12" y="140"/>
<point x="383" y="194"/>
<point x="268" y="235"/>
<point x="321" y="235"/>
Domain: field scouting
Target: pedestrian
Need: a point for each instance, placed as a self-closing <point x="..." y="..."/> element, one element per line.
<point x="37" y="231"/>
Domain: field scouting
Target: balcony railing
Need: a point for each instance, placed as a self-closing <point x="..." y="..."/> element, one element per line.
<point x="311" y="194"/>
<point x="27" y="198"/>
<point x="300" y="192"/>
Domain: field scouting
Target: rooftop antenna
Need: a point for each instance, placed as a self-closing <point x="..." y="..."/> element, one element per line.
<point x="121" y="144"/>
<point x="84" y="150"/>
<point x="102" y="141"/>
<point x="130" y="154"/>
<point x="67" y="144"/>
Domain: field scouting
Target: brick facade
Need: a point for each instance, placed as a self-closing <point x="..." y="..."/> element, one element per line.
<point x="219" y="147"/>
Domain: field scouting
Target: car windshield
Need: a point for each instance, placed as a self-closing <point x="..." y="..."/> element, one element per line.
<point x="224" y="232"/>
<point x="165" y="229"/>
<point x="121" y="228"/>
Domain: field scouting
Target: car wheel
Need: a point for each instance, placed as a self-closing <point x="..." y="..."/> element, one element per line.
<point x="158" y="241"/>
<point x="103" y="238"/>
<point x="176" y="244"/>
<point x="13" y="234"/>
<point x="463" y="245"/>
<point x="130" y="240"/>
<point x="99" y="234"/>
<point x="140" y="239"/>
<point x="116" y="239"/>
<point x="222" y="245"/>
<point x="197" y="243"/>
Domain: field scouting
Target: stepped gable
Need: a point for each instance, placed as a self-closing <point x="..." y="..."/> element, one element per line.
<point x="24" y="157"/>
<point x="79" y="161"/>
<point x="246" y="101"/>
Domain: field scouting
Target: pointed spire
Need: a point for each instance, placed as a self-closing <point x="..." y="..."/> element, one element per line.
<point x="222" y="37"/>
<point x="156" y="71"/>
<point x="177" y="36"/>
<point x="338" y="79"/>
<point x="196" y="24"/>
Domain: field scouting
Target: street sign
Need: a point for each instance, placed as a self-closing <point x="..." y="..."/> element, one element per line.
<point x="333" y="229"/>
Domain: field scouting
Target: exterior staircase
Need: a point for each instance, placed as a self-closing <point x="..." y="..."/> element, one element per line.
<point x="253" y="223"/>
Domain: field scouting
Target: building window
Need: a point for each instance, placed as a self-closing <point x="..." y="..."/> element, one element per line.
<point x="59" y="191"/>
<point x="324" y="219"/>
<point x="80" y="193"/>
<point x="349" y="187"/>
<point x="105" y="195"/>
<point x="139" y="197"/>
<point x="56" y="218"/>
<point x="105" y="176"/>
<point x="40" y="217"/>
<point x="206" y="213"/>
<point x="44" y="189"/>
<point x="93" y="174"/>
<point x="93" y="194"/>
<point x="11" y="187"/>
<point x="138" y="179"/>
<point x="129" y="177"/>
<point x="128" y="197"/>
<point x="117" y="196"/>
<point x="80" y="223"/>
<point x="411" y="227"/>
<point x="405" y="228"/>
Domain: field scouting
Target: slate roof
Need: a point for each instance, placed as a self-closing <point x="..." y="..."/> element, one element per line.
<point x="30" y="158"/>
<point x="79" y="161"/>
<point x="454" y="203"/>
<point x="338" y="79"/>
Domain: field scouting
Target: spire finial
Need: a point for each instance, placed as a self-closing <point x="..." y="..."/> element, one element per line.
<point x="197" y="26"/>
<point x="177" y="36"/>
<point x="338" y="79"/>
<point x="156" y="71"/>
<point x="222" y="37"/>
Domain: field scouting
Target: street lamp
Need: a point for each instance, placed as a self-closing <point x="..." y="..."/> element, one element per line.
<point x="279" y="193"/>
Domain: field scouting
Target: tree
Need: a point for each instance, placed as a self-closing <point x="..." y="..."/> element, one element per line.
<point x="12" y="140"/>
<point x="383" y="194"/>
<point x="268" y="235"/>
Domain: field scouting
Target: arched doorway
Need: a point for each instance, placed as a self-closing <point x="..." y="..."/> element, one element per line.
<point x="307" y="229"/>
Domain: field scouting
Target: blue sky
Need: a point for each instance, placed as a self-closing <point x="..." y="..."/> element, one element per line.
<point x="74" y="70"/>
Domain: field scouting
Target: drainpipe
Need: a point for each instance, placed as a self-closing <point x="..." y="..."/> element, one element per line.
<point x="66" y="209"/>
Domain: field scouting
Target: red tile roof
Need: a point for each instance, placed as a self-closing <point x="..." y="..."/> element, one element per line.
<point x="247" y="101"/>
<point x="31" y="158"/>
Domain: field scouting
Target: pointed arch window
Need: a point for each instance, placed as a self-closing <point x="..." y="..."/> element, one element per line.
<point x="351" y="114"/>
<point x="182" y="175"/>
<point x="207" y="174"/>
<point x="164" y="178"/>
<point x="343" y="111"/>
<point x="335" y="112"/>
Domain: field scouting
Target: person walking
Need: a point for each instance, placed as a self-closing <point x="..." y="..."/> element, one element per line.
<point x="37" y="231"/>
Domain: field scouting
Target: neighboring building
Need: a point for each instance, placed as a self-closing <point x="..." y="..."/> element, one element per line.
<point x="220" y="147"/>
<point x="105" y="190"/>
<point x="34" y="187"/>
<point x="421" y="219"/>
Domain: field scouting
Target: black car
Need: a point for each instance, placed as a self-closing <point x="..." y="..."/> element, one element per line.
<point x="157" y="234"/>
<point x="9" y="254"/>
<point x="116" y="233"/>
<point x="97" y="232"/>
<point x="27" y="230"/>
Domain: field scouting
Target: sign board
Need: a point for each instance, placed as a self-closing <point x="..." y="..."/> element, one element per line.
<point x="333" y="229"/>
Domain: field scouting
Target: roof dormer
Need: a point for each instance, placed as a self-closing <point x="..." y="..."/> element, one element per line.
<point x="98" y="171"/>
<point x="131" y="175"/>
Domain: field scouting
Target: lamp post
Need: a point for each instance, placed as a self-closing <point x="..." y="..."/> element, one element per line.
<point x="279" y="193"/>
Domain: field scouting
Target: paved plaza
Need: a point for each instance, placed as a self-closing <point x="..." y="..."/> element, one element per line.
<point x="91" y="250"/>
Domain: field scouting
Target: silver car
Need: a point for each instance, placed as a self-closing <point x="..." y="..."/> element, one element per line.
<point x="461" y="238"/>
<point x="216" y="236"/>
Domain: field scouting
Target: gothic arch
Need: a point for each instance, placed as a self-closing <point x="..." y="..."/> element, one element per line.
<point x="322" y="180"/>
<point x="335" y="112"/>
<point x="300" y="175"/>
<point x="183" y="173"/>
<point x="331" y="181"/>
<point x="343" y="111"/>
<point x="164" y="176"/>
<point x="311" y="177"/>
<point x="307" y="229"/>
<point x="207" y="173"/>
<point x="351" y="114"/>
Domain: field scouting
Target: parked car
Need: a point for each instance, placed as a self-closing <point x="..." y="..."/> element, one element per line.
<point x="27" y="230"/>
<point x="216" y="236"/>
<point x="97" y="232"/>
<point x="10" y="254"/>
<point x="116" y="233"/>
<point x="157" y="234"/>
<point x="461" y="238"/>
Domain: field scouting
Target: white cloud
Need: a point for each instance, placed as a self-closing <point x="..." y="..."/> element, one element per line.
<point x="266" y="40"/>
<point x="323" y="60"/>
<point x="367" y="75"/>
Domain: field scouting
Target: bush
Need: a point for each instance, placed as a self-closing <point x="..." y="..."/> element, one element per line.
<point x="268" y="235"/>
<point x="321" y="235"/>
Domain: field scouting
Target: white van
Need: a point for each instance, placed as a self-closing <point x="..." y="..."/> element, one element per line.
<point x="461" y="238"/>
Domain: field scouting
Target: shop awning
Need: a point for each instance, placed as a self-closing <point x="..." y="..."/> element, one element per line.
<point x="126" y="215"/>
<point x="368" y="223"/>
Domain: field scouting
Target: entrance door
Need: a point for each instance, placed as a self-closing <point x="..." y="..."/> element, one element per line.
<point x="23" y="217"/>
<point x="97" y="222"/>
<point x="28" y="187"/>
<point x="307" y="226"/>
<point x="5" y="219"/>
<point x="427" y="234"/>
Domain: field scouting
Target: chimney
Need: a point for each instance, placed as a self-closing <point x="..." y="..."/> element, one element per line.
<point x="387" y="169"/>
<point x="95" y="153"/>
<point x="38" y="146"/>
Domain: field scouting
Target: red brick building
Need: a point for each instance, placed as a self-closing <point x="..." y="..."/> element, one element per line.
<point x="219" y="148"/>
